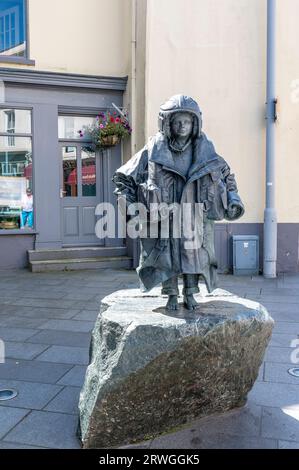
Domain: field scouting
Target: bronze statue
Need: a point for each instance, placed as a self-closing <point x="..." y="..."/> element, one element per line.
<point x="179" y="167"/>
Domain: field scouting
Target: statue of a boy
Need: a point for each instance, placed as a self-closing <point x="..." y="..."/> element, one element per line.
<point x="179" y="166"/>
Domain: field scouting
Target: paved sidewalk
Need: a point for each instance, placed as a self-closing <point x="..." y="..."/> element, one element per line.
<point x="46" y="320"/>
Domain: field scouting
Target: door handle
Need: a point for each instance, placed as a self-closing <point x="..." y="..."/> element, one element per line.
<point x="62" y="193"/>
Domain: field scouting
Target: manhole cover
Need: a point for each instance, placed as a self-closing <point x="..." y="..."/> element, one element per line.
<point x="7" y="394"/>
<point x="294" y="371"/>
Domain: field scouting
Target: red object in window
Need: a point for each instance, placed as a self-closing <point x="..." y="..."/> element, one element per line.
<point x="28" y="171"/>
<point x="88" y="175"/>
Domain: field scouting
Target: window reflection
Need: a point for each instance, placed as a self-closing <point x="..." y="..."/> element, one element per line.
<point x="69" y="166"/>
<point x="16" y="199"/>
<point x="69" y="126"/>
<point x="88" y="172"/>
<point x="16" y="121"/>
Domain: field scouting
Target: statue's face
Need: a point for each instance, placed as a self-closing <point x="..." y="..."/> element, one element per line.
<point x="181" y="125"/>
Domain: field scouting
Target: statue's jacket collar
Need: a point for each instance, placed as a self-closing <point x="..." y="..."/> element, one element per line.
<point x="205" y="159"/>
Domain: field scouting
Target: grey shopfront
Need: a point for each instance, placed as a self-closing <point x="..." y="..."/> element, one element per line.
<point x="67" y="176"/>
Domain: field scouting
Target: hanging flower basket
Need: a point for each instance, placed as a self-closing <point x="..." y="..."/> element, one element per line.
<point x="107" y="130"/>
<point x="110" y="140"/>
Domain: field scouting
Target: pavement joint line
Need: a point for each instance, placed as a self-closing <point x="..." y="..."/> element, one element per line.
<point x="33" y="357"/>
<point x="56" y="363"/>
<point x="63" y="387"/>
<point x="38" y="354"/>
<point x="61" y="378"/>
<point x="37" y="383"/>
<point x="11" y="429"/>
<point x="279" y="383"/>
<point x="43" y="362"/>
<point x="23" y="329"/>
<point x="22" y="444"/>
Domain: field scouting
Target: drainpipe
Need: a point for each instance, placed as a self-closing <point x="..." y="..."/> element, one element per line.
<point x="270" y="217"/>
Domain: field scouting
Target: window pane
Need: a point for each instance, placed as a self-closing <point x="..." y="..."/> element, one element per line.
<point x="12" y="25"/>
<point x="15" y="121"/>
<point x="88" y="160"/>
<point x="69" y="126"/>
<point x="69" y="167"/>
<point x="16" y="199"/>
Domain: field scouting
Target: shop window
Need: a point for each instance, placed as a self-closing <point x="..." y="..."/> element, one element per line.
<point x="69" y="126"/>
<point x="13" y="28"/>
<point x="16" y="189"/>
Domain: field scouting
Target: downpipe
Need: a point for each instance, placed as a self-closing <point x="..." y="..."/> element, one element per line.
<point x="270" y="215"/>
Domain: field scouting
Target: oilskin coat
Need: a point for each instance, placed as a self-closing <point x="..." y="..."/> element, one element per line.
<point x="151" y="176"/>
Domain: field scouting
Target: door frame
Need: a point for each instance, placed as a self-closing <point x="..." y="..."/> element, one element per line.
<point x="99" y="186"/>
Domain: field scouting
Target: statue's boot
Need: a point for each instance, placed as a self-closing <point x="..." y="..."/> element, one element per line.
<point x="190" y="302"/>
<point x="172" y="303"/>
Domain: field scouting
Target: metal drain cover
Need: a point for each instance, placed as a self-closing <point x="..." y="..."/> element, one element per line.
<point x="294" y="371"/>
<point x="7" y="394"/>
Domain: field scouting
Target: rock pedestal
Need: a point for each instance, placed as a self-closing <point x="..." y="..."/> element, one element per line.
<point x="152" y="370"/>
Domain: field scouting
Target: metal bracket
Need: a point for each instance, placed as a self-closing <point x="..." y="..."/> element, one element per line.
<point x="273" y="110"/>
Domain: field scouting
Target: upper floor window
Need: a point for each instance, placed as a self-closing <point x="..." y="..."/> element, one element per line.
<point x="13" y="41"/>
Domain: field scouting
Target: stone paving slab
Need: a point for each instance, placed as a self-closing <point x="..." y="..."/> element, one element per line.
<point x="9" y="418"/>
<point x="10" y="445"/>
<point x="283" y="340"/>
<point x="274" y="394"/>
<point x="31" y="395"/>
<point x="16" y="334"/>
<point x="39" y="294"/>
<point x="33" y="371"/>
<point x="75" y="377"/>
<point x="58" y="311"/>
<point x="277" y="424"/>
<point x="287" y="327"/>
<point x="278" y="373"/>
<point x="43" y="303"/>
<point x="286" y="313"/>
<point x="87" y="315"/>
<point x="7" y="309"/>
<point x="68" y="325"/>
<point x="79" y="295"/>
<point x="46" y="313"/>
<point x="51" y="430"/>
<point x="11" y="321"/>
<point x="66" y="401"/>
<point x="275" y="354"/>
<point x="288" y="445"/>
<point x="61" y="338"/>
<point x="27" y="351"/>
<point x="95" y="305"/>
<point x="65" y="355"/>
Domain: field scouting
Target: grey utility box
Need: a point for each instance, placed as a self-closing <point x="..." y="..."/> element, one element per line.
<point x="245" y="255"/>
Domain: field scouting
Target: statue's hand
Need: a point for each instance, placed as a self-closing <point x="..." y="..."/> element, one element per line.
<point x="151" y="186"/>
<point x="234" y="211"/>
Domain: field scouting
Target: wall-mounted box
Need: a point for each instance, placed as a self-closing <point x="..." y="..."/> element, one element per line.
<point x="245" y="255"/>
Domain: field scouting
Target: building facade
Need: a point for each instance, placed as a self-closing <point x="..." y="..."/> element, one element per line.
<point x="60" y="64"/>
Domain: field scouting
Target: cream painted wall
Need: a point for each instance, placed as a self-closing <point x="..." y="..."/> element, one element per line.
<point x="287" y="137"/>
<point x="215" y="51"/>
<point x="90" y="37"/>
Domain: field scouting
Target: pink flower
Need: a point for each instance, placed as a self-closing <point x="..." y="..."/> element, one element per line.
<point x="117" y="119"/>
<point x="101" y="126"/>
